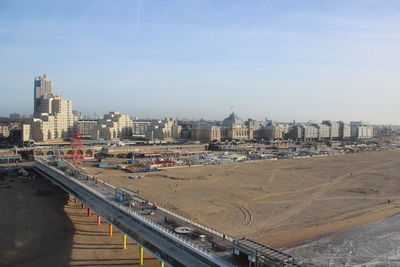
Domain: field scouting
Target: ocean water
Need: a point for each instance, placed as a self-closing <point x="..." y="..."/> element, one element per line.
<point x="374" y="244"/>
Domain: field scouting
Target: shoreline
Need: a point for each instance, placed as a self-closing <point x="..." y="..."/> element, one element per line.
<point x="301" y="236"/>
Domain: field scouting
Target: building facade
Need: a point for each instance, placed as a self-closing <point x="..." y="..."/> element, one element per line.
<point x="139" y="128"/>
<point x="360" y="130"/>
<point x="113" y="126"/>
<point x="25" y="132"/>
<point x="43" y="87"/>
<point x="270" y="132"/>
<point x="344" y="130"/>
<point x="86" y="127"/>
<point x="165" y="129"/>
<point x="54" y="119"/>
<point x="206" y="133"/>
<point x="4" y="131"/>
<point x="234" y="128"/>
<point x="334" y="129"/>
<point x="324" y="131"/>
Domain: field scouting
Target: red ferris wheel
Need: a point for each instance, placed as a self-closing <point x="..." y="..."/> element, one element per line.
<point x="76" y="147"/>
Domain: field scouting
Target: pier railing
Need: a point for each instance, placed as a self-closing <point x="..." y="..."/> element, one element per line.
<point x="196" y="250"/>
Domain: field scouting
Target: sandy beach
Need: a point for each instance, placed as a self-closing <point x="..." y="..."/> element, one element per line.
<point x="277" y="202"/>
<point x="54" y="231"/>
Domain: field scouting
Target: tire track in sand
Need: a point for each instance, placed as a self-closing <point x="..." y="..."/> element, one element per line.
<point x="300" y="207"/>
<point x="247" y="216"/>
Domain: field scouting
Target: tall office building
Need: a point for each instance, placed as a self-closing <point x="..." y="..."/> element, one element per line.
<point x="53" y="118"/>
<point x="43" y="87"/>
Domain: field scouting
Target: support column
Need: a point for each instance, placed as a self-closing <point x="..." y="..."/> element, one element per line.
<point x="124" y="240"/>
<point x="98" y="220"/>
<point x="110" y="229"/>
<point x="140" y="255"/>
<point x="89" y="212"/>
<point x="161" y="264"/>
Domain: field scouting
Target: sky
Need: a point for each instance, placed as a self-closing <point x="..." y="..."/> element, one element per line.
<point x="276" y="59"/>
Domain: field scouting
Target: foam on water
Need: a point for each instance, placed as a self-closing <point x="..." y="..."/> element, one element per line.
<point x="374" y="244"/>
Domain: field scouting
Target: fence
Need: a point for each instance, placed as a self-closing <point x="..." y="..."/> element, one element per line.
<point x="136" y="216"/>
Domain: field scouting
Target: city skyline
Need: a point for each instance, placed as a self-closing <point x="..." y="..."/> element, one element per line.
<point x="284" y="61"/>
<point x="38" y="80"/>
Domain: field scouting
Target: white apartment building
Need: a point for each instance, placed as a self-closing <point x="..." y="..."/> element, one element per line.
<point x="324" y="131"/>
<point x="4" y="131"/>
<point x="54" y="119"/>
<point x="361" y="130"/>
<point x="311" y="132"/>
<point x="114" y="125"/>
<point x="25" y="132"/>
<point x="334" y="129"/>
<point x="165" y="129"/>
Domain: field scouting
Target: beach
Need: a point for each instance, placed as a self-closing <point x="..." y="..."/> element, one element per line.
<point x="276" y="202"/>
<point x="283" y="204"/>
<point x="53" y="230"/>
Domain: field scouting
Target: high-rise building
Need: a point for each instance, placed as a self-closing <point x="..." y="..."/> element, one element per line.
<point x="43" y="87"/>
<point x="53" y="118"/>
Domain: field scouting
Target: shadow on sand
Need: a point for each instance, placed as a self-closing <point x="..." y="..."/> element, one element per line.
<point x="39" y="233"/>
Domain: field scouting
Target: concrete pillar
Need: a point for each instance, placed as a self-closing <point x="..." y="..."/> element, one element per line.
<point x="89" y="212"/>
<point x="140" y="255"/>
<point x="161" y="264"/>
<point x="110" y="229"/>
<point x="98" y="220"/>
<point x="124" y="240"/>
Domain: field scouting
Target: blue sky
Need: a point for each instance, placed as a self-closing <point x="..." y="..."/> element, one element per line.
<point x="281" y="59"/>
